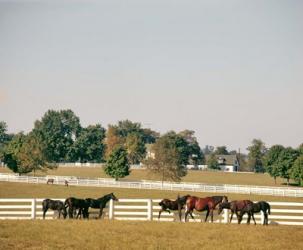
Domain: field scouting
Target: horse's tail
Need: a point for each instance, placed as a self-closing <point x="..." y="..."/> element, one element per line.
<point x="268" y="208"/>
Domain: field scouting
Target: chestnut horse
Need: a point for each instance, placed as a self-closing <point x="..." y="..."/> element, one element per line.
<point x="242" y="206"/>
<point x="202" y="204"/>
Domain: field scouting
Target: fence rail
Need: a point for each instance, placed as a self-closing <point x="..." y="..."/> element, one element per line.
<point x="144" y="184"/>
<point x="282" y="213"/>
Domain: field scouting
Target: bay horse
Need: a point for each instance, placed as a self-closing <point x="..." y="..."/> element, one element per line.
<point x="202" y="204"/>
<point x="167" y="205"/>
<point x="55" y="205"/>
<point x="241" y="206"/>
<point x="101" y="202"/>
<point x="51" y="181"/>
<point x="264" y="207"/>
<point x="73" y="204"/>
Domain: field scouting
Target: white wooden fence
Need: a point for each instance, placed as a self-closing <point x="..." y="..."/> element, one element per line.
<point x="181" y="186"/>
<point x="282" y="213"/>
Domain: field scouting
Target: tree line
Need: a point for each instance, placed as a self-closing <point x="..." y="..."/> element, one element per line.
<point x="59" y="137"/>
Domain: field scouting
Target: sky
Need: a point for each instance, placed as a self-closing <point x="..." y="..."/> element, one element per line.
<point x="231" y="70"/>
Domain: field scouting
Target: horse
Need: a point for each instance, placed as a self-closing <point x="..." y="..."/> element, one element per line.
<point x="178" y="204"/>
<point x="73" y="203"/>
<point x="264" y="207"/>
<point x="50" y="181"/>
<point x="242" y="206"/>
<point x="101" y="202"/>
<point x="202" y="204"/>
<point x="54" y="205"/>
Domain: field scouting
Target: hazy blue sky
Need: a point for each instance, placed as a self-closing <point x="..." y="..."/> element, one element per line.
<point x="229" y="70"/>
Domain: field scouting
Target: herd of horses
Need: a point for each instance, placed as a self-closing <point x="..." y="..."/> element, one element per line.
<point x="209" y="204"/>
<point x="77" y="208"/>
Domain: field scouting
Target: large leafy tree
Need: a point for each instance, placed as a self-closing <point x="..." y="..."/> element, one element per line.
<point x="194" y="152"/>
<point x="296" y="172"/>
<point x="168" y="161"/>
<point x="117" y="165"/>
<point x="135" y="147"/>
<point x="221" y="150"/>
<point x="89" y="145"/>
<point x="24" y="154"/>
<point x="212" y="162"/>
<point x="271" y="160"/>
<point x="285" y="162"/>
<point x="112" y="140"/>
<point x="255" y="156"/>
<point x="57" y="130"/>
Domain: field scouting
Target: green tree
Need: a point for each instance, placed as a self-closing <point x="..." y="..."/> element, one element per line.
<point x="112" y="140"/>
<point x="89" y="145"/>
<point x="285" y="162"/>
<point x="212" y="162"/>
<point x="296" y="172"/>
<point x="221" y="150"/>
<point x="24" y="154"/>
<point x="255" y="156"/>
<point x="194" y="152"/>
<point x="169" y="158"/>
<point x="271" y="160"/>
<point x="117" y="165"/>
<point x="135" y="147"/>
<point x="300" y="149"/>
<point x="57" y="130"/>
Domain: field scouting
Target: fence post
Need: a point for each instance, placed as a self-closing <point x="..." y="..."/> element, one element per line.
<point x="111" y="209"/>
<point x="33" y="209"/>
<point x="225" y="215"/>
<point x="149" y="209"/>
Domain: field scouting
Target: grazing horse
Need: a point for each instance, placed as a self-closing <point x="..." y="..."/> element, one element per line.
<point x="101" y="202"/>
<point x="51" y="181"/>
<point x="54" y="205"/>
<point x="202" y="204"/>
<point x="242" y="206"/>
<point x="264" y="207"/>
<point x="178" y="204"/>
<point x="73" y="203"/>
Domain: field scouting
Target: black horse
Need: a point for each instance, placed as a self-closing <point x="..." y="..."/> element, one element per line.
<point x="101" y="202"/>
<point x="74" y="204"/>
<point x="54" y="205"/>
<point x="264" y="207"/>
<point x="167" y="205"/>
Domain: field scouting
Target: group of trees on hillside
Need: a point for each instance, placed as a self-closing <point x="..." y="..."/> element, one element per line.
<point x="59" y="137"/>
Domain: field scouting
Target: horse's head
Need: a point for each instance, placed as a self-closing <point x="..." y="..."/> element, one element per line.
<point x="112" y="196"/>
<point x="220" y="208"/>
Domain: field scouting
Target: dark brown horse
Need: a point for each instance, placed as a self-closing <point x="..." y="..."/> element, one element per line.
<point x="178" y="204"/>
<point x="238" y="207"/>
<point x="101" y="202"/>
<point x="73" y="204"/>
<point x="264" y="207"/>
<point x="202" y="204"/>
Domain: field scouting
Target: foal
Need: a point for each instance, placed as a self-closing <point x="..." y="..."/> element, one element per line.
<point x="178" y="204"/>
<point x="54" y="205"/>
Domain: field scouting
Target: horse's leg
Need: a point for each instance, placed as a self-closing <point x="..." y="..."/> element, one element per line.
<point x="59" y="211"/>
<point x="212" y="215"/>
<point x="100" y="212"/>
<point x="265" y="222"/>
<point x="231" y="216"/>
<point x="248" y="219"/>
<point x="159" y="214"/>
<point x="44" y="212"/>
<point x="207" y="213"/>
<point x="252" y="215"/>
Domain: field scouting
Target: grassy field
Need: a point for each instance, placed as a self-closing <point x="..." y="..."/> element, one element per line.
<point x="105" y="234"/>
<point x="95" y="234"/>
<point x="192" y="176"/>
